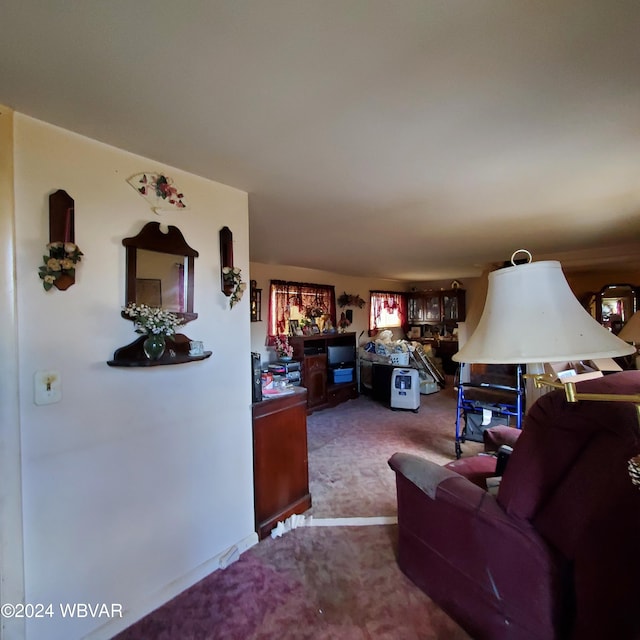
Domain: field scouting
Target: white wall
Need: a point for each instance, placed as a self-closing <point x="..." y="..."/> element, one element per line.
<point x="264" y="273"/>
<point x="140" y="477"/>
<point x="11" y="559"/>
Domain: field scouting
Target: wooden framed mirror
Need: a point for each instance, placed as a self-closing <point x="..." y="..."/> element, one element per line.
<point x="615" y="304"/>
<point x="160" y="270"/>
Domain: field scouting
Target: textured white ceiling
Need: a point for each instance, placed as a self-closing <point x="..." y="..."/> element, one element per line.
<point x="405" y="139"/>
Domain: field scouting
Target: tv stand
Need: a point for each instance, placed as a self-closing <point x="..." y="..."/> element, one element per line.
<point x="311" y="351"/>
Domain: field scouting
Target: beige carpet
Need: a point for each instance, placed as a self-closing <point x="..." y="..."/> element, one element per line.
<point x="349" y="447"/>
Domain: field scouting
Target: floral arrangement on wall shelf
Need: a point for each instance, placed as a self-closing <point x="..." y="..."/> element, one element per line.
<point x="60" y="263"/>
<point x="233" y="277"/>
<point x="152" y="320"/>
<point x="348" y="300"/>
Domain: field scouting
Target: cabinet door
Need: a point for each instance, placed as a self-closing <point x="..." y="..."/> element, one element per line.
<point x="453" y="305"/>
<point x="424" y="307"/>
<point x="432" y="311"/>
<point x="315" y="379"/>
<point x="415" y="309"/>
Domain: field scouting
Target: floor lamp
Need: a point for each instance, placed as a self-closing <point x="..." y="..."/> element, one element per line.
<point x="531" y="317"/>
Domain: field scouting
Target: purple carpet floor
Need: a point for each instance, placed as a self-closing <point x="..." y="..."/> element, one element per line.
<point x="328" y="582"/>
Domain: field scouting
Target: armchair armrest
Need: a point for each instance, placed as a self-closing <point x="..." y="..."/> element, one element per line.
<point x="495" y="437"/>
<point x="445" y="485"/>
<point x="427" y="477"/>
<point x="453" y="493"/>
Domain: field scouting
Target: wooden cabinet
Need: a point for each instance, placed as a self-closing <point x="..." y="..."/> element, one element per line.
<point x="312" y="351"/>
<point x="280" y="462"/>
<point x="433" y="307"/>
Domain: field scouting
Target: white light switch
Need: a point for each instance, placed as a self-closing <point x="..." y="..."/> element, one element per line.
<point x="47" y="387"/>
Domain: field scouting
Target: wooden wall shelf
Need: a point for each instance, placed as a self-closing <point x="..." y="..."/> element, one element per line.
<point x="176" y="352"/>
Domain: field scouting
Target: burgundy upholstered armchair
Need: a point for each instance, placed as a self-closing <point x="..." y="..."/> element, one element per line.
<point x="556" y="554"/>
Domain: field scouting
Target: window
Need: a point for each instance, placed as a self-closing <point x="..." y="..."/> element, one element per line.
<point x="298" y="301"/>
<point x="388" y="309"/>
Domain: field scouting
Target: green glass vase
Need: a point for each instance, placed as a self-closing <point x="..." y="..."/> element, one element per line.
<point x="154" y="346"/>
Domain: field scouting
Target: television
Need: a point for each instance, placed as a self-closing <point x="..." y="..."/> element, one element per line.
<point x="341" y="355"/>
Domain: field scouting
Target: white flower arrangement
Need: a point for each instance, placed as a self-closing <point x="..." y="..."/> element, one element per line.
<point x="152" y="320"/>
<point x="233" y="277"/>
<point x="62" y="260"/>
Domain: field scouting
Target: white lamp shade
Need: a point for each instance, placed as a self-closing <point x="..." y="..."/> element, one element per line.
<point x="631" y="330"/>
<point x="531" y="315"/>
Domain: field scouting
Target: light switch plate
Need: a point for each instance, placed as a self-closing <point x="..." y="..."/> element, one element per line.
<point x="47" y="387"/>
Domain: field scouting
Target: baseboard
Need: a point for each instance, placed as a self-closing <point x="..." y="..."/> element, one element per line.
<point x="171" y="590"/>
<point x="352" y="522"/>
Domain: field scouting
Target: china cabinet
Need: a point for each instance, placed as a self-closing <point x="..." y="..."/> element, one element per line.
<point x="433" y="307"/>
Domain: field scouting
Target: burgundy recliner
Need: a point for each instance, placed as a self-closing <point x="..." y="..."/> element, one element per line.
<point x="556" y="554"/>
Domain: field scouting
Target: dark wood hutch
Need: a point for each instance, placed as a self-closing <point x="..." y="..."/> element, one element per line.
<point x="439" y="310"/>
<point x="446" y="306"/>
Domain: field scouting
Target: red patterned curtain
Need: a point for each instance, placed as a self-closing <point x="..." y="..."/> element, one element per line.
<point x="312" y="299"/>
<point x="387" y="302"/>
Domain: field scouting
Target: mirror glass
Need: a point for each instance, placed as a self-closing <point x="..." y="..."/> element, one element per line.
<point x="162" y="280"/>
<point x="160" y="270"/>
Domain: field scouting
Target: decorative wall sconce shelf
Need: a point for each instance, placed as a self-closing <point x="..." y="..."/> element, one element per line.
<point x="176" y="352"/>
<point x="59" y="268"/>
<point x="226" y="258"/>
<point x="255" y="301"/>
